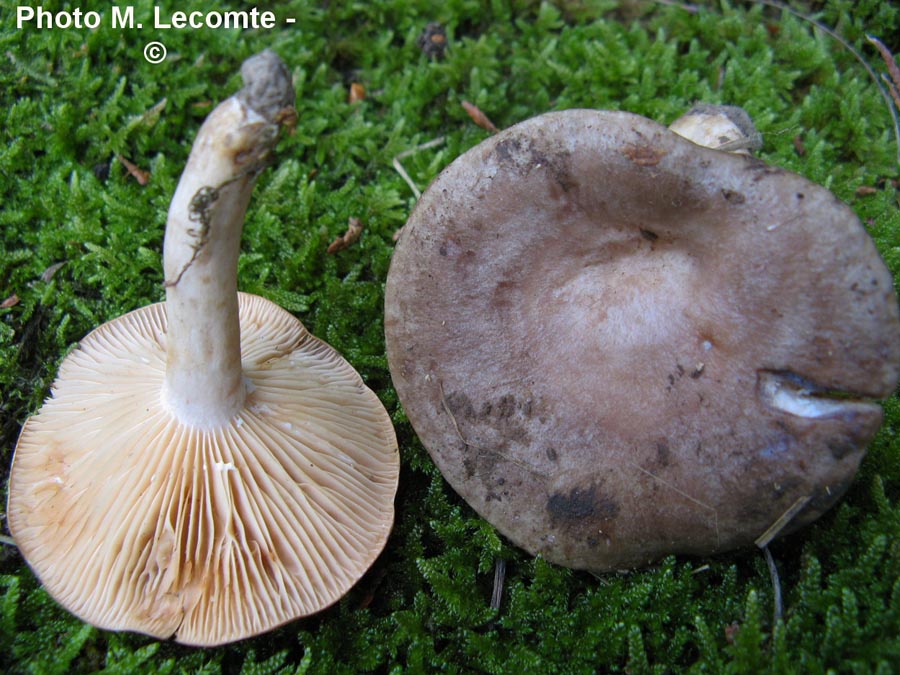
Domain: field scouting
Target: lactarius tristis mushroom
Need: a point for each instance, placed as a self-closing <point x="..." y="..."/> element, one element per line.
<point x="617" y="344"/>
<point x="205" y="467"/>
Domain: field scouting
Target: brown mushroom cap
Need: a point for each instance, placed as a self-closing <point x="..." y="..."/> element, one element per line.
<point x="134" y="521"/>
<point x="617" y="344"/>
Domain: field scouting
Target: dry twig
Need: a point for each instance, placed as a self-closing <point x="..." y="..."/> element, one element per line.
<point x="354" y="230"/>
<point x="141" y="176"/>
<point x="893" y="83"/>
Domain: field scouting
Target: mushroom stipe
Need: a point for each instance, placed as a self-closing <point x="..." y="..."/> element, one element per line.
<point x="617" y="344"/>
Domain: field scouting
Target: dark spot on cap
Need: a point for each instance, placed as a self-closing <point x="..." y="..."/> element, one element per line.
<point x="507" y="149"/>
<point x="643" y="155"/>
<point x="733" y="197"/>
<point x="581" y="503"/>
<point x="662" y="452"/>
<point x="842" y="447"/>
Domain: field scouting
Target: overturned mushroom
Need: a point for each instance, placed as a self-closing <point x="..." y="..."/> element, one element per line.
<point x="206" y="467"/>
<point x="617" y="344"/>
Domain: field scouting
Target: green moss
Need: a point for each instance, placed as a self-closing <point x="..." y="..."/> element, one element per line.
<point x="75" y="99"/>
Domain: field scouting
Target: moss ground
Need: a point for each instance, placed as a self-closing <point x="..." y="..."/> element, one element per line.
<point x="80" y="243"/>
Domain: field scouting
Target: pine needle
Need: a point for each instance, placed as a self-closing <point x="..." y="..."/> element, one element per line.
<point x="398" y="167"/>
<point x="778" y="603"/>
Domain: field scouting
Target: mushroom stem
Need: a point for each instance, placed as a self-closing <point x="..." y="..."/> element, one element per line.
<point x="204" y="384"/>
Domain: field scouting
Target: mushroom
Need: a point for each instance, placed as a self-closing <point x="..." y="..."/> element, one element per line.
<point x="617" y="344"/>
<point x="206" y="467"/>
<point x="723" y="127"/>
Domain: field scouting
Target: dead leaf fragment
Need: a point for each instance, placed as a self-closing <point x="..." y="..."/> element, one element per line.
<point x="357" y="93"/>
<point x="11" y="301"/>
<point x="142" y="177"/>
<point x="151" y="116"/>
<point x="865" y="191"/>
<point x="479" y="117"/>
<point x="51" y="271"/>
<point x="354" y="229"/>
<point x="731" y="631"/>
